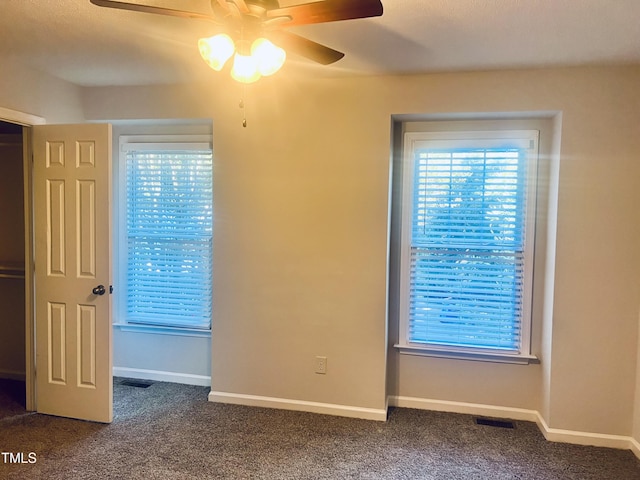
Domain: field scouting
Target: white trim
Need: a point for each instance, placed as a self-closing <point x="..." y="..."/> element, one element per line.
<point x="162" y="376"/>
<point x="511" y="413"/>
<point x="127" y="143"/>
<point x="464" y="408"/>
<point x="162" y="330"/>
<point x="184" y="146"/>
<point x="550" y="434"/>
<point x="635" y="447"/>
<point x="583" y="438"/>
<point x="526" y="139"/>
<point x="299" y="405"/>
<point x="165" y="142"/>
<point x="29" y="284"/>
<point x="21" y="118"/>
<point x="462" y="354"/>
<point x="13" y="375"/>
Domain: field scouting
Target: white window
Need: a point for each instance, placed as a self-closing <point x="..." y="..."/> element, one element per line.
<point x="166" y="231"/>
<point x="467" y="243"/>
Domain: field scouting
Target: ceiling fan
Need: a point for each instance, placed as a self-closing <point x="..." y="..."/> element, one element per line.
<point x="254" y="31"/>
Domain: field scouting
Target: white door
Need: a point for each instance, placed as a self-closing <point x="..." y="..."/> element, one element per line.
<point x="72" y="231"/>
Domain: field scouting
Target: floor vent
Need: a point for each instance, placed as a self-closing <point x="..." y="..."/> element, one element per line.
<point x="495" y="423"/>
<point x="136" y="383"/>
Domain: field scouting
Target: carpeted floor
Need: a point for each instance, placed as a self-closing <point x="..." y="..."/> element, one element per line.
<point x="170" y="431"/>
<point x="12" y="398"/>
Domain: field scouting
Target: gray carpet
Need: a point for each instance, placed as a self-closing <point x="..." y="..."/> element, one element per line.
<point x="170" y="431"/>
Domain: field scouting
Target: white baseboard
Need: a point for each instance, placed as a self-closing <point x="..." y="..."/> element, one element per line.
<point x="13" y="375"/>
<point x="162" y="376"/>
<point x="635" y="447"/>
<point x="583" y="438"/>
<point x="299" y="405"/>
<point x="551" y="434"/>
<point x="466" y="408"/>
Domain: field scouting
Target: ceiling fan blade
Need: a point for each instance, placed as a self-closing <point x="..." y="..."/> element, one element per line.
<point x="150" y="9"/>
<point x="305" y="47"/>
<point x="239" y="5"/>
<point x="328" y="11"/>
<point x="242" y="6"/>
<point x="223" y="4"/>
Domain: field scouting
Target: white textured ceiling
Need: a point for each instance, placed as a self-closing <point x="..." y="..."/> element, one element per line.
<point x="91" y="46"/>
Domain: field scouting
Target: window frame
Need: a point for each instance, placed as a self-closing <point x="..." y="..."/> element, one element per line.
<point x="147" y="142"/>
<point x="480" y="139"/>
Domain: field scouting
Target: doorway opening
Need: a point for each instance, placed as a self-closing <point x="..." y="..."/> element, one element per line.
<point x="17" y="383"/>
<point x="12" y="271"/>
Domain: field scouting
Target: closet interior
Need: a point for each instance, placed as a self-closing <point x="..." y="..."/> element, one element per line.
<point x="12" y="261"/>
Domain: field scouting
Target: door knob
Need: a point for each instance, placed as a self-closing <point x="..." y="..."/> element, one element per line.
<point x="99" y="290"/>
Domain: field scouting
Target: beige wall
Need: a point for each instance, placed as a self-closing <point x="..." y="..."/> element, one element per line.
<point x="302" y="226"/>
<point x="597" y="278"/>
<point x="29" y="91"/>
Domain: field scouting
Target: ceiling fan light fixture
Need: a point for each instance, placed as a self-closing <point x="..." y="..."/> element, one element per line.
<point x="216" y="50"/>
<point x="253" y="16"/>
<point x="269" y="57"/>
<point x="245" y="69"/>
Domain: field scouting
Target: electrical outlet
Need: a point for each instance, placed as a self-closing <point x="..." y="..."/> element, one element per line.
<point x="321" y="365"/>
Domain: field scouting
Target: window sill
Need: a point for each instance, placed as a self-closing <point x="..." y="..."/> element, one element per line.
<point x="154" y="329"/>
<point x="495" y="357"/>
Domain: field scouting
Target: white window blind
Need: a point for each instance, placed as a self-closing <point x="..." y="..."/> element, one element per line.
<point x="471" y="233"/>
<point x="169" y="226"/>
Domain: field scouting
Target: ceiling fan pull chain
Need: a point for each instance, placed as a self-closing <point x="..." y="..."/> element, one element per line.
<point x="242" y="107"/>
